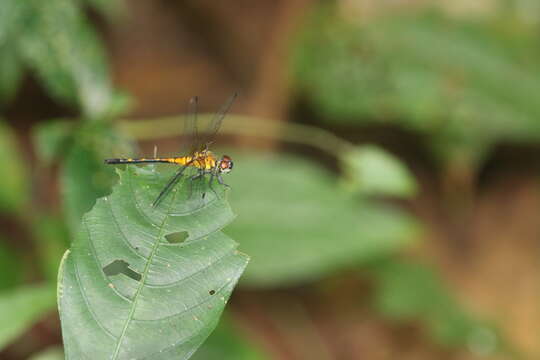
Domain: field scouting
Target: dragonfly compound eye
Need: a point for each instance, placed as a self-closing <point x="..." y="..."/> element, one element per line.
<point x="226" y="164"/>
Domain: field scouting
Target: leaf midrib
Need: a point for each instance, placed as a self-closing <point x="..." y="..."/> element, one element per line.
<point x="143" y="279"/>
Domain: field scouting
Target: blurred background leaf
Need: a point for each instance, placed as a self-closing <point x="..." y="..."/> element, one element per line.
<point x="55" y="40"/>
<point x="52" y="353"/>
<point x="10" y="269"/>
<point x="454" y="80"/>
<point x="51" y="240"/>
<point x="14" y="185"/>
<point x="10" y="72"/>
<point x="373" y="171"/>
<point x="298" y="225"/>
<point x="52" y="139"/>
<point x="407" y="290"/>
<point x="227" y="344"/>
<point x="22" y="307"/>
<point x="83" y="168"/>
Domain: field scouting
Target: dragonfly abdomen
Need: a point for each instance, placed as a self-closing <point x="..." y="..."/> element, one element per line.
<point x="139" y="161"/>
<point x="206" y="162"/>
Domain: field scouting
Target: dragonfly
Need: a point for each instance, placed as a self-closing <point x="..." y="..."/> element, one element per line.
<point x="199" y="162"/>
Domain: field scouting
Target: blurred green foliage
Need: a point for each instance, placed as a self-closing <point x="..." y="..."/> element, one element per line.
<point x="308" y="228"/>
<point x="51" y="139"/>
<point x="225" y="343"/>
<point x="373" y="172"/>
<point x="55" y="40"/>
<point x="53" y="353"/>
<point x="10" y="270"/>
<point x="465" y="84"/>
<point x="407" y="290"/>
<point x="81" y="149"/>
<point x="21" y="307"/>
<point x="299" y="225"/>
<point x="51" y="239"/>
<point x="83" y="168"/>
<point x="14" y="185"/>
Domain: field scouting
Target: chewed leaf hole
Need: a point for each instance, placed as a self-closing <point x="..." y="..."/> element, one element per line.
<point x="121" y="267"/>
<point x="177" y="237"/>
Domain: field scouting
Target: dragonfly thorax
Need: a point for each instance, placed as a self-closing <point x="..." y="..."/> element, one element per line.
<point x="201" y="159"/>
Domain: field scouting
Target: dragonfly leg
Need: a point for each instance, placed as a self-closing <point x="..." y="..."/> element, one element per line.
<point x="172" y="182"/>
<point x="220" y="181"/>
<point x="210" y="184"/>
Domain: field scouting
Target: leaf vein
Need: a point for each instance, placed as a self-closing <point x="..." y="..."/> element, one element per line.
<point x="143" y="278"/>
<point x="139" y="208"/>
<point x="85" y="298"/>
<point x="210" y="297"/>
<point x="123" y="236"/>
<point x="93" y="249"/>
<point x="164" y="286"/>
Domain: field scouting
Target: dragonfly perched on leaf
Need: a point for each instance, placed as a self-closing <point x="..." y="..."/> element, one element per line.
<point x="199" y="162"/>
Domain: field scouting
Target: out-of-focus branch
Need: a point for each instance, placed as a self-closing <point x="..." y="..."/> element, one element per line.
<point x="242" y="126"/>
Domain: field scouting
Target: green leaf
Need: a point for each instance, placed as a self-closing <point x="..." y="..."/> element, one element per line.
<point x="10" y="12"/>
<point x="84" y="179"/>
<point x="126" y="292"/>
<point x="83" y="168"/>
<point x="465" y="84"/>
<point x="51" y="241"/>
<point x="52" y="353"/>
<point x="299" y="226"/>
<point x="10" y="273"/>
<point x="120" y="104"/>
<point x="14" y="187"/>
<point x="56" y="40"/>
<point x="21" y="308"/>
<point x="226" y="343"/>
<point x="410" y="291"/>
<point x="10" y="72"/>
<point x="52" y="139"/>
<point x="374" y="171"/>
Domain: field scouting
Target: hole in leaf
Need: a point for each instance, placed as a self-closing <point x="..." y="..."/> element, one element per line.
<point x="177" y="237"/>
<point x="121" y="267"/>
<point x="212" y="292"/>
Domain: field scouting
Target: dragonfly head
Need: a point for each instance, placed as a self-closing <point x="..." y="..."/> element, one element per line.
<point x="225" y="164"/>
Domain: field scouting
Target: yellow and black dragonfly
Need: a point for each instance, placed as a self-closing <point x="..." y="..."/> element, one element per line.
<point x="199" y="159"/>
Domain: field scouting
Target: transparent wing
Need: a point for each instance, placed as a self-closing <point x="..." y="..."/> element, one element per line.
<point x="192" y="136"/>
<point x="201" y="192"/>
<point x="170" y="185"/>
<point x="208" y="137"/>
